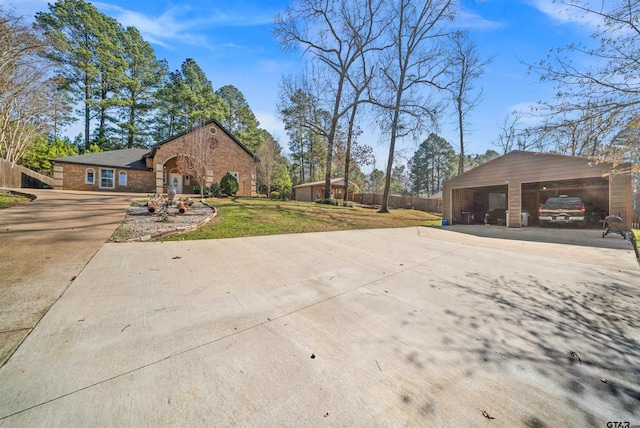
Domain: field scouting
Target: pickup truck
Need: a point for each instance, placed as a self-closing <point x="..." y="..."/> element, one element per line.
<point x="563" y="210"/>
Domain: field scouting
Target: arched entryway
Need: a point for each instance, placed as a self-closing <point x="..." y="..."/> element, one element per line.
<point x="171" y="177"/>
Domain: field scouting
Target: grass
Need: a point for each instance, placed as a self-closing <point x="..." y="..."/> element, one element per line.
<point x="8" y="200"/>
<point x="256" y="217"/>
<point x="636" y="233"/>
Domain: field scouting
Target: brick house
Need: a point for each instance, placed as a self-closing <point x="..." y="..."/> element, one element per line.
<point x="153" y="171"/>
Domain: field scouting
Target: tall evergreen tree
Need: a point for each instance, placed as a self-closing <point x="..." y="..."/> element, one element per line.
<point x="432" y="164"/>
<point x="81" y="37"/>
<point x="143" y="75"/>
<point x="201" y="102"/>
<point x="185" y="100"/>
<point x="240" y="120"/>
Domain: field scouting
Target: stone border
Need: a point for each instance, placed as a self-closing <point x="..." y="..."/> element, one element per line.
<point x="176" y="231"/>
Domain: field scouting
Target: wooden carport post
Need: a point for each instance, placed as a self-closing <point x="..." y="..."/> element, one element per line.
<point x="514" y="203"/>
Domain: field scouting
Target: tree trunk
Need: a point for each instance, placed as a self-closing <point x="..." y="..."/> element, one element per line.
<point x="332" y="136"/>
<point x="132" y="120"/>
<point x="461" y="161"/>
<point x="87" y="112"/>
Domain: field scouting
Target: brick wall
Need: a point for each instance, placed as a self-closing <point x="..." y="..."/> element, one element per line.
<point x="72" y="177"/>
<point x="229" y="157"/>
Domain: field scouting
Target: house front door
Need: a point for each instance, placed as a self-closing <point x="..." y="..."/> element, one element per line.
<point x="175" y="180"/>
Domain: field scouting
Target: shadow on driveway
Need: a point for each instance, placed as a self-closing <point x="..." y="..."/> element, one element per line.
<point x="551" y="235"/>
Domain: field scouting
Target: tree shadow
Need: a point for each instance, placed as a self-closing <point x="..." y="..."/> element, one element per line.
<point x="585" y="340"/>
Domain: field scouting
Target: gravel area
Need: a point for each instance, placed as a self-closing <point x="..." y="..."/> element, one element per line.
<point x="139" y="224"/>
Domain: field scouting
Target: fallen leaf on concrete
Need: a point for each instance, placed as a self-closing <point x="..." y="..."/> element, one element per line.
<point x="326" y="415"/>
<point x="487" y="415"/>
<point x="313" y="356"/>
<point x="575" y="355"/>
<point x="603" y="380"/>
<point x="73" y="278"/>
<point x="176" y="257"/>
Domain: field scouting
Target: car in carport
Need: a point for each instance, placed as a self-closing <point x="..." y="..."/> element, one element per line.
<point x="562" y="209"/>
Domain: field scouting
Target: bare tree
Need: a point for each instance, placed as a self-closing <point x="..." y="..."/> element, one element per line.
<point x="336" y="34"/>
<point x="414" y="63"/>
<point x="508" y="132"/>
<point x="24" y="87"/>
<point x="270" y="158"/>
<point x="597" y="84"/>
<point x="466" y="68"/>
<point x="197" y="155"/>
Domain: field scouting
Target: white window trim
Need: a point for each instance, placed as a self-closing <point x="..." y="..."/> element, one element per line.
<point x="120" y="175"/>
<point x="86" y="176"/>
<point x="100" y="186"/>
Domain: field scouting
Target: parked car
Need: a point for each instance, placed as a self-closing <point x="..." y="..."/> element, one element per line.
<point x="562" y="209"/>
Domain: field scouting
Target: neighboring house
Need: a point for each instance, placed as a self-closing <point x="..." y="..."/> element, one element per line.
<point x="309" y="192"/>
<point x="153" y="171"/>
<point x="520" y="181"/>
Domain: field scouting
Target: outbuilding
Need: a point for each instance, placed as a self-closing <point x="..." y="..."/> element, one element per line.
<point x="309" y="192"/>
<point x="509" y="189"/>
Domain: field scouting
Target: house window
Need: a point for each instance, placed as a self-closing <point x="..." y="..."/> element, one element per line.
<point x="107" y="177"/>
<point x="122" y="178"/>
<point x="186" y="180"/>
<point x="90" y="176"/>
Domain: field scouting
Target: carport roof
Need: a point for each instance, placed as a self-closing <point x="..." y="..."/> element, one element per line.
<point x="526" y="166"/>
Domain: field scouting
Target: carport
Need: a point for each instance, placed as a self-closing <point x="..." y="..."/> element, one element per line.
<point x="520" y="181"/>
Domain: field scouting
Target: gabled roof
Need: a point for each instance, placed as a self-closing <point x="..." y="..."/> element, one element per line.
<point x="530" y="167"/>
<point x="160" y="144"/>
<point x="124" y="158"/>
<point x="334" y="182"/>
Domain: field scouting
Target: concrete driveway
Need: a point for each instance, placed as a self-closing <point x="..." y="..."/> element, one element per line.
<point x="44" y="245"/>
<point x="395" y="327"/>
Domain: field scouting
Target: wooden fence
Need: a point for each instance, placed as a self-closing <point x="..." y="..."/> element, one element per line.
<point x="408" y="202"/>
<point x="16" y="177"/>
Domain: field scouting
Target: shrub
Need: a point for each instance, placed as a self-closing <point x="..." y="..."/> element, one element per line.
<point x="285" y="194"/>
<point x="273" y="195"/>
<point x="329" y="201"/>
<point x="229" y="185"/>
<point x="213" y="190"/>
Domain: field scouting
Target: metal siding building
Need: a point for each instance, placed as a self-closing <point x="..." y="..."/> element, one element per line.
<point x="526" y="179"/>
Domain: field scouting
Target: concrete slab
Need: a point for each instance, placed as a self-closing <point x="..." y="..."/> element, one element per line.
<point x="45" y="244"/>
<point x="414" y="327"/>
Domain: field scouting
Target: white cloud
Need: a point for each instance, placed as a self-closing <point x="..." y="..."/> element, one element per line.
<point x="564" y="14"/>
<point x="177" y="25"/>
<point x="273" y="124"/>
<point x="471" y="20"/>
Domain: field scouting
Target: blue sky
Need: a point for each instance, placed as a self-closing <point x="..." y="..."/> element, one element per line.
<point x="231" y="41"/>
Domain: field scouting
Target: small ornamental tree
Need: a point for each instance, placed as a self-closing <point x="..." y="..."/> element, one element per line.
<point x="197" y="155"/>
<point x="229" y="185"/>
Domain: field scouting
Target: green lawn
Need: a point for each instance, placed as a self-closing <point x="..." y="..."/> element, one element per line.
<point x="254" y="217"/>
<point x="8" y="200"/>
